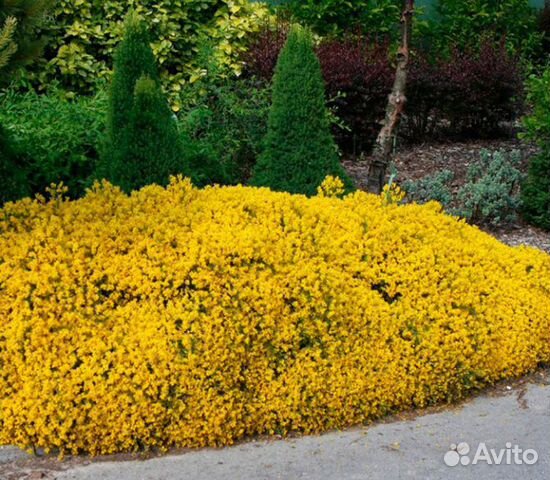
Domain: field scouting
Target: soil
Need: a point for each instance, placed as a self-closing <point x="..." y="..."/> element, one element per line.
<point x="415" y="162"/>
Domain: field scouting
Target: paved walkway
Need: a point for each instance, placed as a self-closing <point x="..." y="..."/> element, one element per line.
<point x="413" y="448"/>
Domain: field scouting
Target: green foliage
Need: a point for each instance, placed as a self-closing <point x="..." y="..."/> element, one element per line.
<point x="82" y="37"/>
<point x="431" y="187"/>
<point x="150" y="147"/>
<point x="19" y="43"/>
<point x="537" y="123"/>
<point x="57" y="138"/>
<point x="299" y="150"/>
<point x="8" y="46"/>
<point x="536" y="189"/>
<point x="133" y="59"/>
<point x="13" y="182"/>
<point x="223" y="127"/>
<point x="375" y="17"/>
<point x="143" y="144"/>
<point x="491" y="194"/>
<point x="463" y="23"/>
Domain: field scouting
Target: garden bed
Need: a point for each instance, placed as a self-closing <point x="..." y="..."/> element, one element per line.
<point x="182" y="317"/>
<point x="417" y="161"/>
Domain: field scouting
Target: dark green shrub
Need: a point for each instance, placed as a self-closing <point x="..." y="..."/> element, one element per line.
<point x="143" y="143"/>
<point x="299" y="150"/>
<point x="150" y="150"/>
<point x="544" y="28"/>
<point x="13" y="182"/>
<point x="58" y="139"/>
<point x="223" y="124"/>
<point x="133" y="59"/>
<point x="536" y="189"/>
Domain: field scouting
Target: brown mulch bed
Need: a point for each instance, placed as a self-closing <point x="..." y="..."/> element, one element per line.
<point x="415" y="162"/>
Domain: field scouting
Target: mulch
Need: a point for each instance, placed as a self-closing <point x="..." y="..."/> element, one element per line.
<point x="415" y="162"/>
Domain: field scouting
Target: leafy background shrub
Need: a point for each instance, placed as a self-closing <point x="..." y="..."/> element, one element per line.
<point x="358" y="78"/>
<point x="299" y="151"/>
<point x="330" y="17"/>
<point x="13" y="179"/>
<point x="464" y="23"/>
<point x="81" y="38"/>
<point x="536" y="190"/>
<point x="468" y="93"/>
<point x="221" y="125"/>
<point x="544" y="29"/>
<point x="58" y="139"/>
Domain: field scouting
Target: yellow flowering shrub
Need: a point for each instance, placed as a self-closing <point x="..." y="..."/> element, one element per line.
<point x="331" y="187"/>
<point x="392" y="193"/>
<point x="186" y="317"/>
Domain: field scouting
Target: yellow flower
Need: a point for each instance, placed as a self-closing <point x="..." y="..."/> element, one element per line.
<point x="181" y="317"/>
<point x="331" y="187"/>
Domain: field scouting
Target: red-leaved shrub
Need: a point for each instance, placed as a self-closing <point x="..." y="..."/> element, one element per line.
<point x="358" y="79"/>
<point x="468" y="93"/>
<point x="264" y="49"/>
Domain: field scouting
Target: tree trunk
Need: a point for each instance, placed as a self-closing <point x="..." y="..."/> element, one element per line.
<point x="396" y="104"/>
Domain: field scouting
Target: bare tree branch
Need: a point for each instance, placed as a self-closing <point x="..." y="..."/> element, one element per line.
<point x="396" y="105"/>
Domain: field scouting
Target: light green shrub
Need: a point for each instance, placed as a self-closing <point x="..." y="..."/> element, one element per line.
<point x="57" y="138"/>
<point x="431" y="187"/>
<point x="491" y="194"/>
<point x="82" y="37"/>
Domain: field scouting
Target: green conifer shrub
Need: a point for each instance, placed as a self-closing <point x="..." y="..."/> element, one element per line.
<point x="299" y="150"/>
<point x="150" y="149"/>
<point x="143" y="145"/>
<point x="133" y="58"/>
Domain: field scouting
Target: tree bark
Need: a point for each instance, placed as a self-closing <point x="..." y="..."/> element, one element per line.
<point x="396" y="104"/>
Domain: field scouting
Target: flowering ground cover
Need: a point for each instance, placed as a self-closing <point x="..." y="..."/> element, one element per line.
<point x="185" y="317"/>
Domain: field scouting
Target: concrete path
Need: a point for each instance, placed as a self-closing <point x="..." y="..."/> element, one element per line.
<point x="499" y="423"/>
